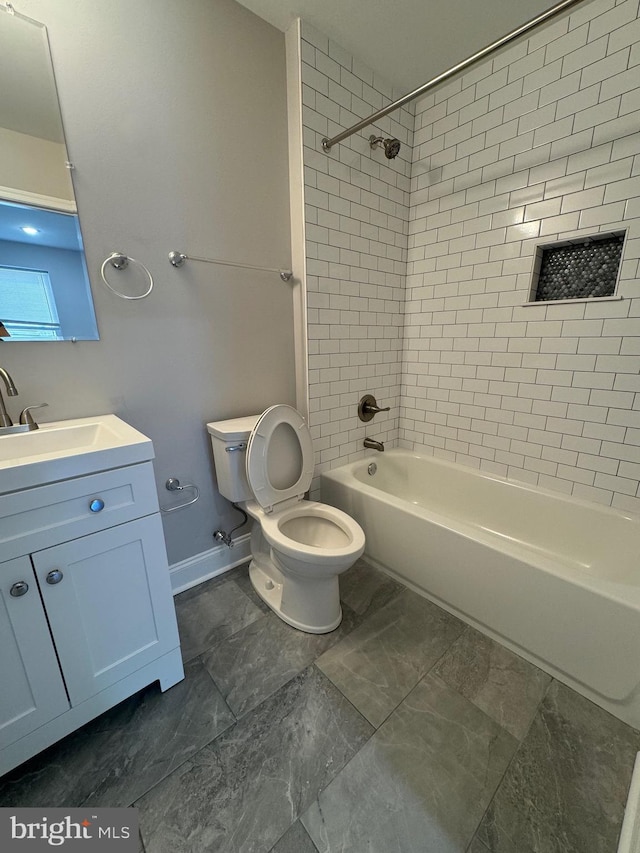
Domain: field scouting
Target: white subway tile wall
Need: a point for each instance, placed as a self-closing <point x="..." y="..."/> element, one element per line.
<point x="419" y="268"/>
<point x="536" y="144"/>
<point x="357" y="224"/>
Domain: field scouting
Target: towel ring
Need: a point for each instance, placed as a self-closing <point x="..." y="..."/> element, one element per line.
<point x="119" y="261"/>
<point x="173" y="485"/>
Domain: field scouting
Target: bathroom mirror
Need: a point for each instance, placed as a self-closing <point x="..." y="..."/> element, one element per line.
<point x="44" y="285"/>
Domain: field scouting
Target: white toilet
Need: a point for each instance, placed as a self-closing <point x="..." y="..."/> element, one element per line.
<point x="298" y="547"/>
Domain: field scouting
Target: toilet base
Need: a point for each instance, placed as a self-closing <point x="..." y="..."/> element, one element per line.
<point x="269" y="583"/>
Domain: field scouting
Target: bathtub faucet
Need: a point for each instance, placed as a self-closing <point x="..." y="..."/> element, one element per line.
<point x="368" y="407"/>
<point x="372" y="444"/>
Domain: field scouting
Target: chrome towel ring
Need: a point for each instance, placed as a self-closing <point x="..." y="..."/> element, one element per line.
<point x="173" y="485"/>
<point x="119" y="261"/>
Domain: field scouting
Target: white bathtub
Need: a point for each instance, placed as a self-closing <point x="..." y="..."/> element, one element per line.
<point x="554" y="578"/>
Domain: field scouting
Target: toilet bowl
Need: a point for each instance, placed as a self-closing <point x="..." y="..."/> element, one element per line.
<point x="298" y="547"/>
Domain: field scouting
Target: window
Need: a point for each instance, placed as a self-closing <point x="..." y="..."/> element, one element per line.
<point x="27" y="306"/>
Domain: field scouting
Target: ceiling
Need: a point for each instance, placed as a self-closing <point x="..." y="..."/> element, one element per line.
<point x="406" y="41"/>
<point x="59" y="230"/>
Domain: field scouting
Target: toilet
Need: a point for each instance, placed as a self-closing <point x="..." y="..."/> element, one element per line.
<point x="298" y="547"/>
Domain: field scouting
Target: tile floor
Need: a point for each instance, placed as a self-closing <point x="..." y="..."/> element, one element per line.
<point x="403" y="731"/>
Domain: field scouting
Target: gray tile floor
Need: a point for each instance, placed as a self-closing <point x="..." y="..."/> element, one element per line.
<point x="403" y="731"/>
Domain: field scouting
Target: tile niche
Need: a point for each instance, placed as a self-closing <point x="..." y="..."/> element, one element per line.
<point x="584" y="269"/>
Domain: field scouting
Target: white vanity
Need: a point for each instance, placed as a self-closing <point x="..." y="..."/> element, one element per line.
<point x="86" y="611"/>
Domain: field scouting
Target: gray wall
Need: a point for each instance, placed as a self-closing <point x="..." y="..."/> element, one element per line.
<point x="175" y="116"/>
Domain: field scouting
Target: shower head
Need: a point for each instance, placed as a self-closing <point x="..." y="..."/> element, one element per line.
<point x="391" y="146"/>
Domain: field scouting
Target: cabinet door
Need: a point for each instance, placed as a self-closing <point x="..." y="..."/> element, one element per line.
<point x="31" y="687"/>
<point x="109" y="603"/>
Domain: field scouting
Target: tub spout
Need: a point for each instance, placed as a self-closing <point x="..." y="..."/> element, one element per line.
<point x="372" y="444"/>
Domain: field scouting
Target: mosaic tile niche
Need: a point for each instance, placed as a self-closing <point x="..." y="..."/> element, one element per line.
<point x="584" y="270"/>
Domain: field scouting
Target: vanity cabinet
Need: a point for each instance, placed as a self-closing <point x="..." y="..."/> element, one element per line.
<point x="86" y="611"/>
<point x="32" y="690"/>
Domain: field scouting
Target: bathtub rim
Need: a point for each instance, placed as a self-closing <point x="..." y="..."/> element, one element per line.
<point x="348" y="488"/>
<point x="625" y="593"/>
<point x="340" y="473"/>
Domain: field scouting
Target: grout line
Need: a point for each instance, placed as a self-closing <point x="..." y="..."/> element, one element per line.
<point x="193" y="754"/>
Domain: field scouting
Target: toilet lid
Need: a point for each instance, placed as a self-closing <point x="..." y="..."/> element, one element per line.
<point x="279" y="457"/>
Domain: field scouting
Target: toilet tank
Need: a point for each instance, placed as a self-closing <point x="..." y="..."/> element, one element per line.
<point x="229" y="441"/>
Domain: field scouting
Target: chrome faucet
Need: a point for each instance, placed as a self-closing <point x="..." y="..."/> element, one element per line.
<point x="26" y="422"/>
<point x="12" y="391"/>
<point x="372" y="444"/>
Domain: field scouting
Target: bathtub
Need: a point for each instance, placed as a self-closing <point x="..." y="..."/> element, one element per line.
<point x="553" y="578"/>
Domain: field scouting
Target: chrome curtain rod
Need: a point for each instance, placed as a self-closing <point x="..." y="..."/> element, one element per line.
<point x="177" y="259"/>
<point x="327" y="143"/>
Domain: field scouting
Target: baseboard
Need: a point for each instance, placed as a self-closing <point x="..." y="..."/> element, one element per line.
<point x="209" y="564"/>
<point x="630" y="834"/>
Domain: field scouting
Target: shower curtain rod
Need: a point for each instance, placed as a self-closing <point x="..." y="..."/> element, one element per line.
<point x="327" y="143"/>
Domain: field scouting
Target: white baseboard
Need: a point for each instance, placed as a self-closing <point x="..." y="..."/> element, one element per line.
<point x="209" y="564"/>
<point x="630" y="834"/>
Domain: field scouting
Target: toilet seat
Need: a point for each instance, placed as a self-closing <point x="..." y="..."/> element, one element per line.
<point x="279" y="438"/>
<point x="339" y="538"/>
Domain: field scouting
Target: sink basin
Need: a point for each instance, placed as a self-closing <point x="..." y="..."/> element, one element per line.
<point x="64" y="449"/>
<point x="55" y="440"/>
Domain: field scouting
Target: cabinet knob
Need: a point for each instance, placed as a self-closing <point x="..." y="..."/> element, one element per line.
<point x="54" y="576"/>
<point x="96" y="505"/>
<point x="19" y="588"/>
